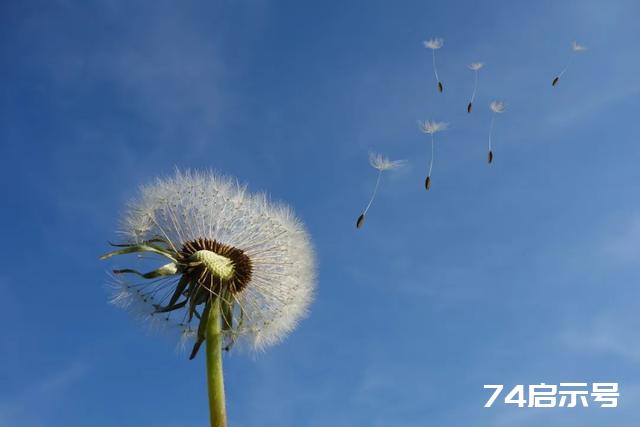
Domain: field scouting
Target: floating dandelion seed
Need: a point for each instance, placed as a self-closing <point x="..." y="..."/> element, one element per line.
<point x="381" y="163"/>
<point x="434" y="44"/>
<point x="496" y="107"/>
<point x="240" y="268"/>
<point x="431" y="128"/>
<point x="575" y="48"/>
<point x="475" y="67"/>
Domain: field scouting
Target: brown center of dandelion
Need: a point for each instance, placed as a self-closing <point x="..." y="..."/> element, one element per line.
<point x="216" y="266"/>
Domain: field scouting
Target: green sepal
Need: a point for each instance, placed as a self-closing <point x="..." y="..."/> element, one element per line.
<point x="180" y="287"/>
<point x="202" y="330"/>
<point x="182" y="284"/>
<point x="168" y="308"/>
<point x="140" y="248"/>
<point x="229" y="326"/>
<point x="166" y="270"/>
<point x="144" y="242"/>
<point x="226" y="309"/>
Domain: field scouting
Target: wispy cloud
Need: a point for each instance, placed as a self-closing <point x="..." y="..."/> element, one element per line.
<point x="608" y="334"/>
<point x="158" y="68"/>
<point x="32" y="405"/>
<point x="623" y="243"/>
<point x="591" y="104"/>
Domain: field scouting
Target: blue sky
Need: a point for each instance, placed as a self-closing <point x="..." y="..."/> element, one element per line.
<point x="524" y="272"/>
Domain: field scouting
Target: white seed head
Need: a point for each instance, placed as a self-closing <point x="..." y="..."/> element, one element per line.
<point x="577" y="47"/>
<point x="191" y="206"/>
<point x="498" y="106"/>
<point x="475" y="66"/>
<point x="435" y="43"/>
<point x="382" y="163"/>
<point x="430" y="126"/>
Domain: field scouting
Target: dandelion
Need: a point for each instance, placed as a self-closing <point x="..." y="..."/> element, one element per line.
<point x="475" y="67"/>
<point x="435" y="44"/>
<point x="236" y="267"/>
<point x="497" y="107"/>
<point x="381" y="163"/>
<point x="575" y="48"/>
<point x="431" y="128"/>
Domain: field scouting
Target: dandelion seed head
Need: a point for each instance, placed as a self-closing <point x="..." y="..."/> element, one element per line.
<point x="435" y="43"/>
<point x="475" y="66"/>
<point x="241" y="247"/>
<point x="382" y="163"/>
<point x="431" y="127"/>
<point x="577" y="47"/>
<point x="498" y="106"/>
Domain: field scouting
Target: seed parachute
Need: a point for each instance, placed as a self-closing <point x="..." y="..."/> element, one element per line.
<point x="575" y="48"/>
<point x="497" y="107"/>
<point x="475" y="67"/>
<point x="431" y="128"/>
<point x="381" y="163"/>
<point x="435" y="44"/>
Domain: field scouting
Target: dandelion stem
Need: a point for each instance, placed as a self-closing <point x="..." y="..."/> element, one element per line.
<point x="432" y="154"/>
<point x="435" y="69"/>
<point x="475" y="88"/>
<point x="215" y="377"/>
<point x="564" y="70"/>
<point x="375" y="190"/>
<point x="493" y="118"/>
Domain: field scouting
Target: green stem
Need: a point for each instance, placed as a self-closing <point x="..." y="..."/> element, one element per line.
<point x="214" y="367"/>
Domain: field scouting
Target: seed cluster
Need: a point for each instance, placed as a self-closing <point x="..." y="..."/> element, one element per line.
<point x="200" y="273"/>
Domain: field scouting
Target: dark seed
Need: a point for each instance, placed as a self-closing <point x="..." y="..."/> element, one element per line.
<point x="555" y="81"/>
<point x="360" y="221"/>
<point x="427" y="183"/>
<point x="440" y="86"/>
<point x="469" y="107"/>
<point x="490" y="157"/>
